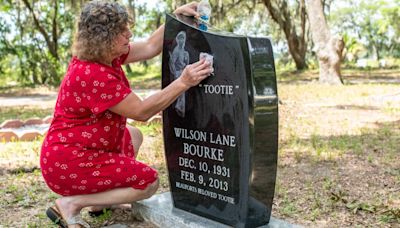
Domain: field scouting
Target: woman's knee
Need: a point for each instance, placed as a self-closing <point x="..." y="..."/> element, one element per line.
<point x="136" y="137"/>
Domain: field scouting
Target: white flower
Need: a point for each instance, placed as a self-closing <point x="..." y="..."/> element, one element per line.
<point x="82" y="188"/>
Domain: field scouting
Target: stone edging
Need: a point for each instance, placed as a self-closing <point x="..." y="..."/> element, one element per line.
<point x="9" y="128"/>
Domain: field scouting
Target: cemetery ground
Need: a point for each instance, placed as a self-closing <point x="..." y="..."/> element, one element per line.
<point x="339" y="155"/>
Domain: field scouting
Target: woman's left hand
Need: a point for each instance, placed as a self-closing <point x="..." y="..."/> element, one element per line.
<point x="189" y="9"/>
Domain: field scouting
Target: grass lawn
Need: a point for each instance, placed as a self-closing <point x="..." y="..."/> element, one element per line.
<point x="23" y="112"/>
<point x="339" y="157"/>
<point x="145" y="78"/>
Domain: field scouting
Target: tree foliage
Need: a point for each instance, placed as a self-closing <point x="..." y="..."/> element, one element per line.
<point x="36" y="42"/>
<point x="371" y="25"/>
<point x="36" y="35"/>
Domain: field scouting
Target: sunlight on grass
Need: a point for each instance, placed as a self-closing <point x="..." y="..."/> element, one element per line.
<point x="151" y="129"/>
<point x="145" y="78"/>
<point x="20" y="154"/>
<point x="330" y="148"/>
<point x="23" y="112"/>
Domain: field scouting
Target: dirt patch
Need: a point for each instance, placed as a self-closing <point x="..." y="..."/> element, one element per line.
<point x="339" y="163"/>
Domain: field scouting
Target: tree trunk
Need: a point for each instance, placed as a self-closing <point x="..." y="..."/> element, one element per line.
<point x="280" y="13"/>
<point x="329" y="48"/>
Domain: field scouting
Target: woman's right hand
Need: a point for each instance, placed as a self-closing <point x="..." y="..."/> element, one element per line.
<point x="194" y="73"/>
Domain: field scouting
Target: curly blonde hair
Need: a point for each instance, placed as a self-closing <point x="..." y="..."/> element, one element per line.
<point x="100" y="22"/>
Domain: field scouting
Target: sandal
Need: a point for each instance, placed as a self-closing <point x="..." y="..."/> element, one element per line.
<point x="54" y="215"/>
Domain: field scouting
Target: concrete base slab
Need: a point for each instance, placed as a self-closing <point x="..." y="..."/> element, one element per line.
<point x="160" y="211"/>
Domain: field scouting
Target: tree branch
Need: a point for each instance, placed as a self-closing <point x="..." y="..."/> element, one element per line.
<point x="41" y="29"/>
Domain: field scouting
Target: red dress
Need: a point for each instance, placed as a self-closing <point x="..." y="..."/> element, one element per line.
<point x="88" y="148"/>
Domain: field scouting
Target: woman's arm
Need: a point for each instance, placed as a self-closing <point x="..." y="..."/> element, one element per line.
<point x="135" y="108"/>
<point x="153" y="45"/>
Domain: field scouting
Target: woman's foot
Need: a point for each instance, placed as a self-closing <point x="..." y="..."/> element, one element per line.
<point x="70" y="212"/>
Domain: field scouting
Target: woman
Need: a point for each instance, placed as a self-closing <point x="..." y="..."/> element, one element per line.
<point x="88" y="155"/>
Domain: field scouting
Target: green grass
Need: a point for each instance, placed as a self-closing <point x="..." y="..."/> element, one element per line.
<point x="152" y="129"/>
<point x="23" y="112"/>
<point x="145" y="78"/>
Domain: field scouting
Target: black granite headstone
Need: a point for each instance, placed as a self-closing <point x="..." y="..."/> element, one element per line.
<point x="221" y="136"/>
